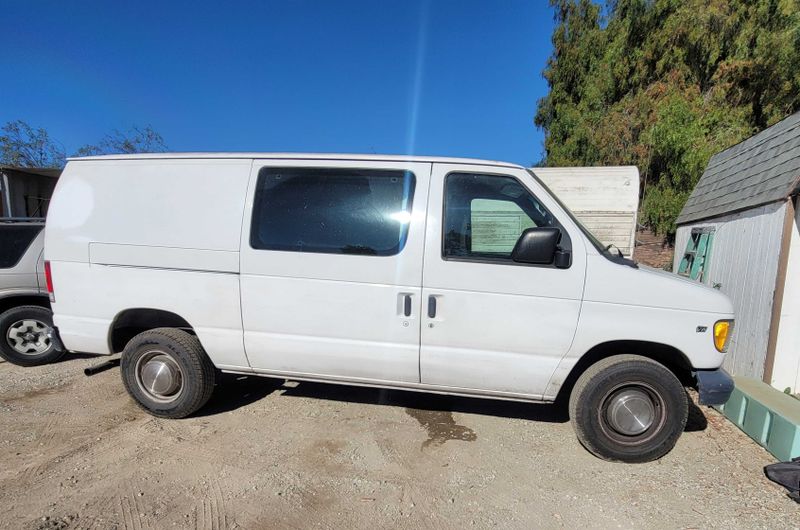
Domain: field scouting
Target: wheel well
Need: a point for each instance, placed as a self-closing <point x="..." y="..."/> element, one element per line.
<point x="131" y="322"/>
<point x="16" y="301"/>
<point x="672" y="358"/>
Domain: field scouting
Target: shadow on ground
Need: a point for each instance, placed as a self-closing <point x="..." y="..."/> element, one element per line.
<point x="430" y="402"/>
<point x="234" y="391"/>
<point x="71" y="356"/>
<point x="697" y="419"/>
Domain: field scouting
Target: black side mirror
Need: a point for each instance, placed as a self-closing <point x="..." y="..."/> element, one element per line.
<point x="539" y="245"/>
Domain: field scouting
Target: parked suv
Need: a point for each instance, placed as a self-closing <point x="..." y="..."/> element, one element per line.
<point x="26" y="323"/>
<point x="453" y="276"/>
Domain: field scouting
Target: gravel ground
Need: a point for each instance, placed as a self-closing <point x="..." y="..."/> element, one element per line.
<point x="75" y="452"/>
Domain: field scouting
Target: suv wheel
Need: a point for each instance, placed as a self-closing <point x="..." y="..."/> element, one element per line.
<point x="167" y="372"/>
<point x="27" y="337"/>
<point x="628" y="408"/>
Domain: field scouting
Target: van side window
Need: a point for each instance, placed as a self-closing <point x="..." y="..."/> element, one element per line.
<point x="485" y="215"/>
<point x="331" y="210"/>
<point x="14" y="241"/>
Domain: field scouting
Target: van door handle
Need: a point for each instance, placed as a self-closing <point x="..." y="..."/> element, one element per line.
<point x="407" y="305"/>
<point x="431" y="307"/>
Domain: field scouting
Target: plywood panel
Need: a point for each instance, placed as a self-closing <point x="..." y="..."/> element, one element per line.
<point x="604" y="199"/>
<point x="610" y="227"/>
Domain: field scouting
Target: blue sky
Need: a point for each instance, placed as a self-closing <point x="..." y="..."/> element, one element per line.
<point x="439" y="77"/>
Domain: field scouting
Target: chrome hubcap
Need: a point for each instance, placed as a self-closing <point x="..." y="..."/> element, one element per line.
<point x="30" y="337"/>
<point x="630" y="411"/>
<point x="159" y="376"/>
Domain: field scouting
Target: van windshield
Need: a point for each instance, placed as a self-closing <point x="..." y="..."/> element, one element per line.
<point x="604" y="250"/>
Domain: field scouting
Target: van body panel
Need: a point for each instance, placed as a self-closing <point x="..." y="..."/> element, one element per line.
<point x="182" y="204"/>
<point x="611" y="283"/>
<point x="624" y="303"/>
<point x="129" y="234"/>
<point x="606" y="322"/>
<point x="164" y="257"/>
<point x="331" y="328"/>
<point x="335" y="315"/>
<point x="84" y="334"/>
<point x="463" y="347"/>
<point x="501" y="327"/>
<point x="388" y="384"/>
<point x="96" y="294"/>
<point x="363" y="159"/>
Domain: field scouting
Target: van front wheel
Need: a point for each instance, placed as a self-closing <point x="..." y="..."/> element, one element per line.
<point x="628" y="408"/>
<point x="167" y="372"/>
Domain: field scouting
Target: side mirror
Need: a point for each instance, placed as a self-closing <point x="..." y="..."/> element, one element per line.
<point x="539" y="245"/>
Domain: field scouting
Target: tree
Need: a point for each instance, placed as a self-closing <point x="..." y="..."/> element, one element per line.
<point x="23" y="146"/>
<point x="135" y="140"/>
<point x="665" y="84"/>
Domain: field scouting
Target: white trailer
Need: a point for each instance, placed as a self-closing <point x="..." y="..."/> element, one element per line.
<point x="604" y="199"/>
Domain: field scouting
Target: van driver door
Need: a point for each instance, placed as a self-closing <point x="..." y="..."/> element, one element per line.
<point x="493" y="325"/>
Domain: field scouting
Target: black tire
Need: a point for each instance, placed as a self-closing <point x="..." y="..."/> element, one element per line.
<point x="15" y="323"/>
<point x="178" y="349"/>
<point x="601" y="415"/>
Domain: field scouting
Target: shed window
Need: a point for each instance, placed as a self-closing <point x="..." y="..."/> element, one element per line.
<point x="697" y="257"/>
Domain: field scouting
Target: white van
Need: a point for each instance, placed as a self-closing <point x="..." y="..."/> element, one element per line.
<point x="454" y="276"/>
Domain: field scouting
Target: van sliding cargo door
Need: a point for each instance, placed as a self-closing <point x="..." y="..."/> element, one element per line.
<point x="331" y="268"/>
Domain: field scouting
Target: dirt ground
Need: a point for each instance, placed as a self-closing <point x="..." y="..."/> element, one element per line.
<point x="75" y="452"/>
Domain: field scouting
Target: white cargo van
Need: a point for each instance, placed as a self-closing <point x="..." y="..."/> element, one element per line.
<point x="386" y="271"/>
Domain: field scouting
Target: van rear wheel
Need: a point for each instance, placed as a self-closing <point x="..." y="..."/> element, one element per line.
<point x="628" y="408"/>
<point x="167" y="372"/>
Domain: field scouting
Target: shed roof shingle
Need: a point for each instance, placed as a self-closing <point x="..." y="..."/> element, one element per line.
<point x="762" y="169"/>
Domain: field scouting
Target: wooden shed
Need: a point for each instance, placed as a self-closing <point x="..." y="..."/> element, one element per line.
<point x="605" y="199"/>
<point x="738" y="232"/>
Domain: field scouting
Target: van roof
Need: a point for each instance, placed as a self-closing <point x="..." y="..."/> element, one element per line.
<point x="300" y="156"/>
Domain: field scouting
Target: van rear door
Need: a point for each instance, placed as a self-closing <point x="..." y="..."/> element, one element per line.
<point x="331" y="268"/>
